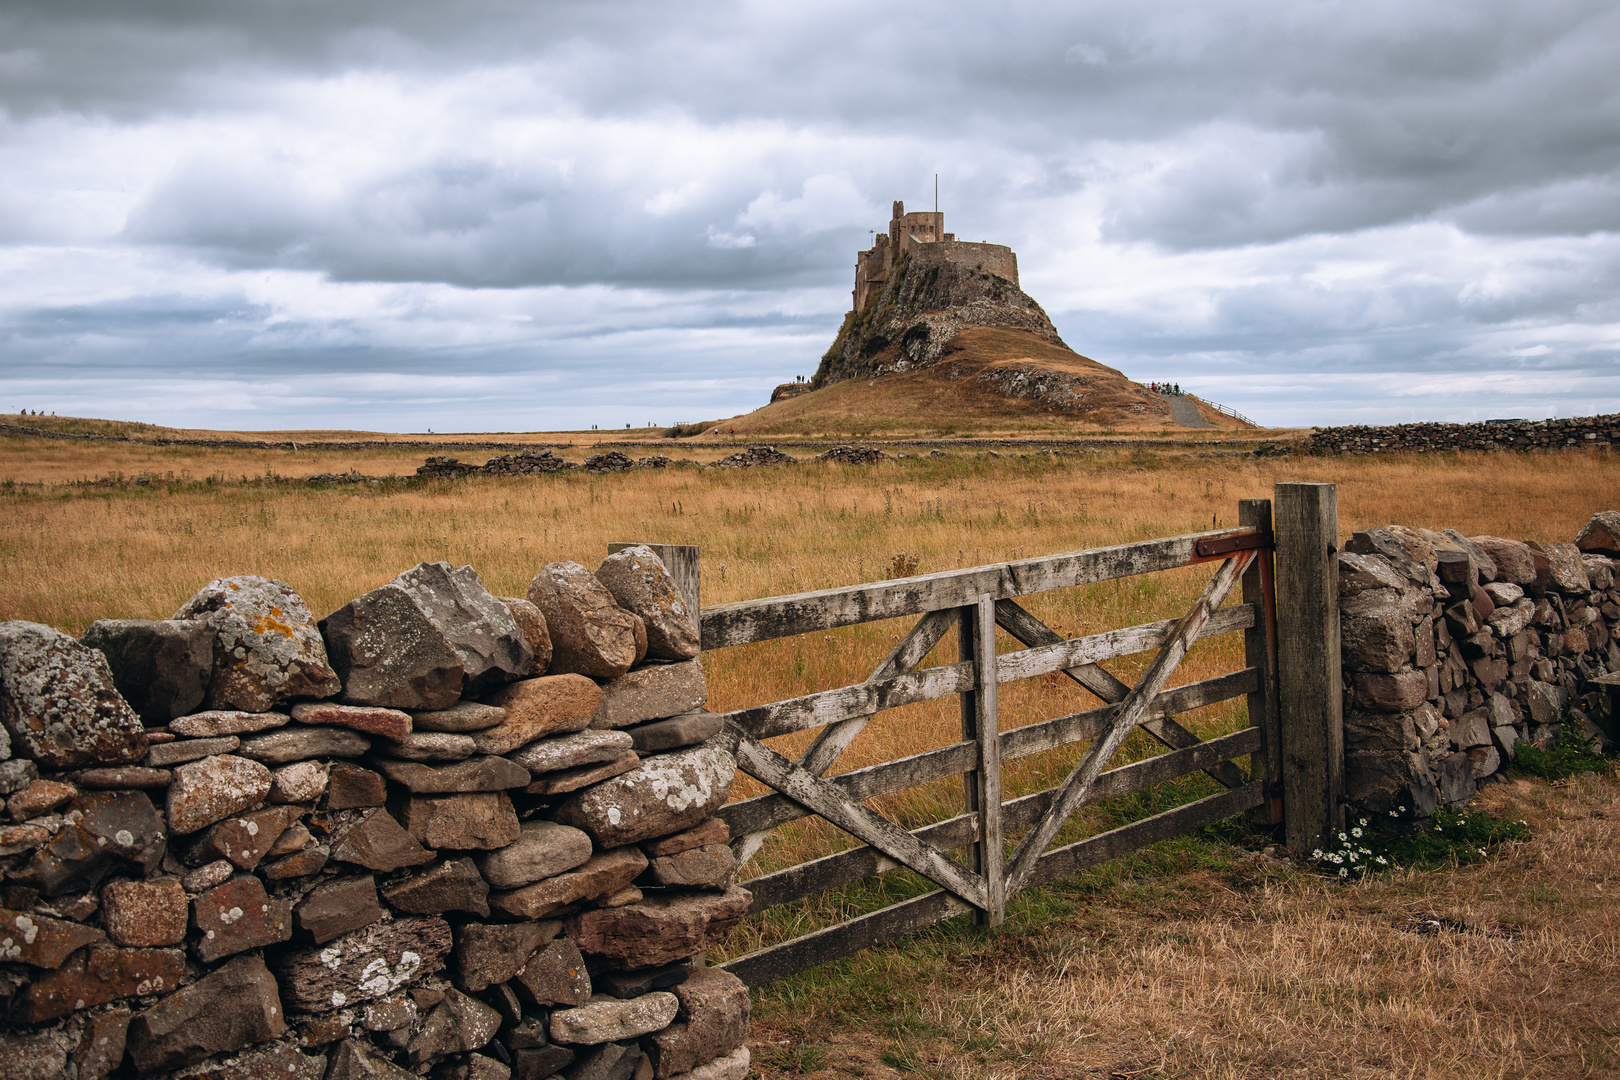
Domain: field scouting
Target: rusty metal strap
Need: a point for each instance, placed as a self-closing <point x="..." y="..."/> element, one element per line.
<point x="1214" y="547"/>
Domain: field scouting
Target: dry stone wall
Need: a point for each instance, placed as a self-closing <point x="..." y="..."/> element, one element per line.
<point x="437" y="833"/>
<point x="1571" y="433"/>
<point x="1457" y="650"/>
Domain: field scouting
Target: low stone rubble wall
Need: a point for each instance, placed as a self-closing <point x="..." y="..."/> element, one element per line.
<point x="1571" y="433"/>
<point x="1457" y="649"/>
<point x="437" y="833"/>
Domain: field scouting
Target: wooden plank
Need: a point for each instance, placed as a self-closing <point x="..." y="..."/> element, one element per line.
<point x="834" y="739"/>
<point x="1031" y="631"/>
<point x="1131" y="712"/>
<point x="848" y="702"/>
<point x="1096" y="850"/>
<point x="760" y="761"/>
<point x="681" y="560"/>
<point x="863" y="699"/>
<point x="1309" y="692"/>
<point x="1077" y="652"/>
<point x="981" y="725"/>
<point x="836" y="942"/>
<point x="819" y="875"/>
<point x="803" y="613"/>
<point x="766" y="812"/>
<point x="1260" y="653"/>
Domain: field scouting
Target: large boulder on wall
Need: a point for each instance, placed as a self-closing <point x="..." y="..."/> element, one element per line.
<point x="58" y="702"/>
<point x="267" y="648"/>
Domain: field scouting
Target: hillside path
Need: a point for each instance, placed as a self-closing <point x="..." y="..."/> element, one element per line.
<point x="1186" y="410"/>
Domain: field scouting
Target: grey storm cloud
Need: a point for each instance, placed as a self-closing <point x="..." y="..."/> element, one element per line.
<point x="1239" y="190"/>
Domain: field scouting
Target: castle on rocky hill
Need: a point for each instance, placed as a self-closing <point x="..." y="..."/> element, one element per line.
<point x="921" y="234"/>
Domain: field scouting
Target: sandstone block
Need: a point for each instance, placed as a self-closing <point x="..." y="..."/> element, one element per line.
<point x="1559" y="568"/>
<point x="732" y="1066"/>
<point x="310" y="860"/>
<point x="337" y="906"/>
<point x="660" y="929"/>
<point x="687" y="729"/>
<point x="206" y="877"/>
<point x="97" y="975"/>
<point x="267" y="648"/>
<point x="144" y="914"/>
<point x="351" y="1061"/>
<point x="453" y="885"/>
<point x="477" y="774"/>
<point x="372" y="720"/>
<point x="712" y="831"/>
<point x="15" y="774"/>
<point x="708" y="867"/>
<point x="390" y="1014"/>
<point x="364" y="965"/>
<point x="1382" y="780"/>
<point x="32" y="1057"/>
<point x="652" y="692"/>
<point x="434" y="746"/>
<point x="571" y="751"/>
<point x="608" y="1019"/>
<point x="101" y="1044"/>
<point x="543" y="849"/>
<point x="244" y="839"/>
<point x="161" y="667"/>
<point x="533" y="625"/>
<point x="462" y="717"/>
<point x="1377" y="640"/>
<point x="58" y="702"/>
<point x="476" y="820"/>
<point x="349" y="787"/>
<point x="304" y="744"/>
<point x="1396" y="692"/>
<point x="629" y="984"/>
<point x="1600" y="534"/>
<point x="181" y="751"/>
<point x="103" y="832"/>
<point x="234" y="1007"/>
<point x="123" y="778"/>
<point x="388" y="652"/>
<point x="300" y="782"/>
<point x="205" y="791"/>
<point x="456" y="1025"/>
<point x="642" y="585"/>
<point x="601" y="875"/>
<point x="217" y="722"/>
<point x="39" y="797"/>
<point x="1408" y="555"/>
<point x="714" y="1023"/>
<point x="279" y="1060"/>
<point x="607" y="1061"/>
<point x="554" y="975"/>
<point x="237" y="916"/>
<point x="539" y="707"/>
<point x="378" y="842"/>
<point x="560" y="783"/>
<point x="486" y="954"/>
<point x="590" y="633"/>
<point x="41" y="941"/>
<point x="667" y="794"/>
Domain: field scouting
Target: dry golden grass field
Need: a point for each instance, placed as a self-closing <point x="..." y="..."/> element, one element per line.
<point x="1193" y="961"/>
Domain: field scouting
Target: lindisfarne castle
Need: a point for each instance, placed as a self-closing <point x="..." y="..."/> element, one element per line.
<point x="921" y="235"/>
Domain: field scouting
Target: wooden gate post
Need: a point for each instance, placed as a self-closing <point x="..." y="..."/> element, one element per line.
<point x="1310" y="695"/>
<point x="1260" y="651"/>
<point x="981" y="725"/>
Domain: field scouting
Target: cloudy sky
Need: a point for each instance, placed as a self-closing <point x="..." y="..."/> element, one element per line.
<point x="503" y="215"/>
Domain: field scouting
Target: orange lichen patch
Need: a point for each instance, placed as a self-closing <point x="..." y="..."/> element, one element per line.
<point x="264" y="624"/>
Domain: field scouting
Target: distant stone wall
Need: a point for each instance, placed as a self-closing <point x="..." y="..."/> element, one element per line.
<point x="1568" y="434"/>
<point x="438" y="832"/>
<point x="1456" y="650"/>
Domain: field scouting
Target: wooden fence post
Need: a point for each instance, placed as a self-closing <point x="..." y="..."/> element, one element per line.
<point x="981" y="725"/>
<point x="1310" y="694"/>
<point x="682" y="562"/>
<point x="1260" y="651"/>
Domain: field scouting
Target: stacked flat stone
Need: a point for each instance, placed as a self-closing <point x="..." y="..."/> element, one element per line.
<point x="439" y="832"/>
<point x="1457" y="649"/>
<point x="1570" y="433"/>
